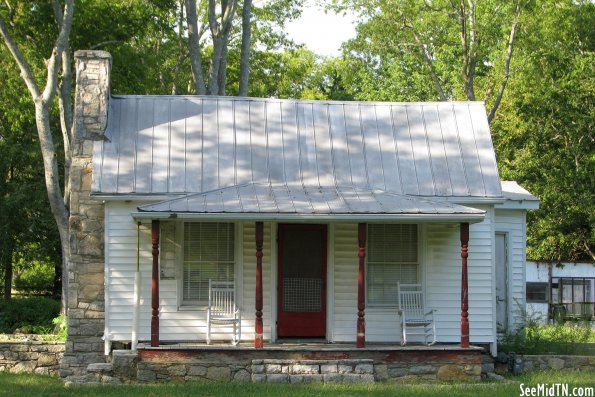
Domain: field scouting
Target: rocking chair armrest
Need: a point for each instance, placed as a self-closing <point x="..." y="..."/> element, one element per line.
<point x="431" y="312"/>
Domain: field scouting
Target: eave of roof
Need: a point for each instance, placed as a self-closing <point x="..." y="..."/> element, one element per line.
<point x="254" y="201"/>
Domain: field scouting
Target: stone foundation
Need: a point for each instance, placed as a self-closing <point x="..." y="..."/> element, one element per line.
<point x="31" y="356"/>
<point x="289" y="366"/>
<point x="570" y="363"/>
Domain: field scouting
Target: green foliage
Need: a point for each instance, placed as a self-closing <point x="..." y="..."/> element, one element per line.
<point x="34" y="277"/>
<point x="34" y="314"/>
<point x="534" y="337"/>
<point x="60" y="327"/>
<point x="544" y="137"/>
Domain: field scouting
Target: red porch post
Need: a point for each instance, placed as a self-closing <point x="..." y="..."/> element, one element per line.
<point x="155" y="284"/>
<point x="464" y="286"/>
<point x="258" y="338"/>
<point x="361" y="299"/>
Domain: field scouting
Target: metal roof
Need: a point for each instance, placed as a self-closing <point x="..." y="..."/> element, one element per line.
<point x="513" y="191"/>
<point x="287" y="201"/>
<point x="192" y="144"/>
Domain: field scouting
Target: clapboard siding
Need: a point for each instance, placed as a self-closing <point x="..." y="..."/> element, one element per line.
<point x="345" y="282"/>
<point x="440" y="272"/>
<point x="512" y="222"/>
<point x="442" y="267"/>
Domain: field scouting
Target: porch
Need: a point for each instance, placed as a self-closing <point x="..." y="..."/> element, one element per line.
<point x="299" y="361"/>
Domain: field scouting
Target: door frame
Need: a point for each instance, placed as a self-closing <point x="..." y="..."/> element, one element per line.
<point x="324" y="228"/>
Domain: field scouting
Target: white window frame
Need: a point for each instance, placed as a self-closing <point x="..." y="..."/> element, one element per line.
<point x="184" y="303"/>
<point x="417" y="263"/>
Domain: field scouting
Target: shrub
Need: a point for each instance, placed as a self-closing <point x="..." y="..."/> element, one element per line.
<point x="33" y="314"/>
<point x="35" y="278"/>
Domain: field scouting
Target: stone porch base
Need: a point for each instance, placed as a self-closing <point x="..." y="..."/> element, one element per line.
<point x="327" y="363"/>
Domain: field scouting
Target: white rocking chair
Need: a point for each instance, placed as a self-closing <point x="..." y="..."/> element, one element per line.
<point x="414" y="318"/>
<point x="222" y="310"/>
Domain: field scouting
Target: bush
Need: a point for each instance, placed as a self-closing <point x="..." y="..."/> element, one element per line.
<point x="33" y="314"/>
<point x="537" y="338"/>
<point x="35" y="278"/>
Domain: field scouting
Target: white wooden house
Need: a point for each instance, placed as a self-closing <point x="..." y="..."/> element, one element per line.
<point x="188" y="181"/>
<point x="313" y="210"/>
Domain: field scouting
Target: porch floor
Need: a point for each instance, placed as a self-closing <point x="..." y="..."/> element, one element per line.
<point x="299" y="345"/>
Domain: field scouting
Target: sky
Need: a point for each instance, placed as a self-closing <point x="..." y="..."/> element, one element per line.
<point x="322" y="33"/>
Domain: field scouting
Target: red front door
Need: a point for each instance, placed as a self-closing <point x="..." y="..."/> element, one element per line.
<point x="301" y="298"/>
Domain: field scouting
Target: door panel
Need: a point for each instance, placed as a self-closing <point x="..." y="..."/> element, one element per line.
<point x="301" y="310"/>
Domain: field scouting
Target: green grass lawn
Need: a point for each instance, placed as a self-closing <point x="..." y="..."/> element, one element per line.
<point x="28" y="385"/>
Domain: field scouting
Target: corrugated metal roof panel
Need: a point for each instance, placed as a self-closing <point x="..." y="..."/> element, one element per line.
<point x="191" y="144"/>
<point x="297" y="199"/>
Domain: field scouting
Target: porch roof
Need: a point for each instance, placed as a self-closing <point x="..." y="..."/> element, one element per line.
<point x="256" y="201"/>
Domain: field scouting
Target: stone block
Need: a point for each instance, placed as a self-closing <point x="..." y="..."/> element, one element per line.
<point x="344" y="369"/>
<point x="422" y="369"/>
<point x="381" y="372"/>
<point x="18" y="347"/>
<point x="555" y="362"/>
<point x="219" y="373"/>
<point x="47" y="359"/>
<point x="177" y="370"/>
<point x="36" y="348"/>
<point x="305" y="369"/>
<point x="273" y="368"/>
<point x="328" y="368"/>
<point x="258" y="378"/>
<point x="332" y="378"/>
<point x="23" y="366"/>
<point x="358" y="378"/>
<point x="146" y="376"/>
<point x="197" y="370"/>
<point x="241" y="376"/>
<point x="258" y="369"/>
<point x="364" y="369"/>
<point x="277" y="378"/>
<point x="397" y="372"/>
<point x="42" y="371"/>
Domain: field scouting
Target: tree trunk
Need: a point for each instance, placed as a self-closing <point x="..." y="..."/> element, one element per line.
<point x="194" y="48"/>
<point x="7" y="265"/>
<point x="245" y="53"/>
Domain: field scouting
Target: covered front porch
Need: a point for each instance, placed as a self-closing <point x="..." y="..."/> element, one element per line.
<point x="341" y="251"/>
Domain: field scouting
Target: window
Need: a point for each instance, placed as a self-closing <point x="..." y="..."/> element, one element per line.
<point x="536" y="292"/>
<point x="208" y="254"/>
<point x="392" y="257"/>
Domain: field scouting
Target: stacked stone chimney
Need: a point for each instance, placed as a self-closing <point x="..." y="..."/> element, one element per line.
<point x="86" y="273"/>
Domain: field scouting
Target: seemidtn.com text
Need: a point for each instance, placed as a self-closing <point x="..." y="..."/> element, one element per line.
<point x="555" y="390"/>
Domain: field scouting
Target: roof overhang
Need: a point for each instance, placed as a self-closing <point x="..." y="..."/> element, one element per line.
<point x="264" y="202"/>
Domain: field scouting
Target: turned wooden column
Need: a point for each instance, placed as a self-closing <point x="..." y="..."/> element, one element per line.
<point x="258" y="338"/>
<point x="464" y="286"/>
<point x="361" y="291"/>
<point x="155" y="284"/>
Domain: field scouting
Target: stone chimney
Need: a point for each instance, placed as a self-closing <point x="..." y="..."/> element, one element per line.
<point x="86" y="307"/>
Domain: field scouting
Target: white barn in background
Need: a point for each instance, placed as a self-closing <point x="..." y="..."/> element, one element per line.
<point x="314" y="210"/>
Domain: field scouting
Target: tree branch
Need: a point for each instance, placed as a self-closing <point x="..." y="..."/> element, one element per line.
<point x="513" y="31"/>
<point x="472" y="52"/>
<point x="61" y="44"/>
<point x="22" y="63"/>
<point x="104" y="43"/>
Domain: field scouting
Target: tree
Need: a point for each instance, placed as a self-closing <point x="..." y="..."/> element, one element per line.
<point x="439" y="49"/>
<point x="219" y="18"/>
<point x="544" y="138"/>
<point x="42" y="97"/>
